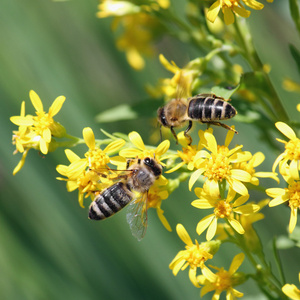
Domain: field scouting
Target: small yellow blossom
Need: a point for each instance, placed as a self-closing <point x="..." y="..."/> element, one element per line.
<point x="223" y="280"/>
<point x="223" y="209"/>
<point x="108" y="8"/>
<point x="90" y="174"/>
<point x="249" y="166"/>
<point x="292" y="291"/>
<point x="141" y="151"/>
<point x="291" y="85"/>
<point x="194" y="255"/>
<point x="219" y="164"/>
<point x="290" y="157"/>
<point x="231" y="7"/>
<point x="156" y="194"/>
<point x="37" y="132"/>
<point x="290" y="194"/>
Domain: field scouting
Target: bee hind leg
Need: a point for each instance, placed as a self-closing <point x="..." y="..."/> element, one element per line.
<point x="222" y="125"/>
<point x="174" y="134"/>
<point x="189" y="138"/>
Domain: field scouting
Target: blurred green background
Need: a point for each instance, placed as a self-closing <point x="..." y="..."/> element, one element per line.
<point x="48" y="247"/>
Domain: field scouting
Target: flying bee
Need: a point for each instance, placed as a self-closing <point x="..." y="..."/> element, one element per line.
<point x="205" y="108"/>
<point x="132" y="187"/>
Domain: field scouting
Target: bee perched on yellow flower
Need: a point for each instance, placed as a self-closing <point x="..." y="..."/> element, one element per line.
<point x="37" y="132"/>
<point x="83" y="173"/>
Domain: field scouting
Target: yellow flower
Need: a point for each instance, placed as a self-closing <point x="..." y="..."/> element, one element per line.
<point x="141" y="151"/>
<point x="188" y="155"/>
<point x="231" y="7"/>
<point x="291" y="85"/>
<point x="137" y="37"/>
<point x="181" y="84"/>
<point x="292" y="291"/>
<point x="223" y="280"/>
<point x="219" y="164"/>
<point x="194" y="255"/>
<point x="42" y="126"/>
<point x="156" y="194"/>
<point x="92" y="173"/>
<point x="109" y="8"/>
<point x="290" y="194"/>
<point x="223" y="209"/>
<point x="249" y="166"/>
<point x="290" y="157"/>
<point x="36" y="132"/>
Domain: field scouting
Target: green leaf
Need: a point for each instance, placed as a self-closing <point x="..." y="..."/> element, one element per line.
<point x="294" y="9"/>
<point x="143" y="109"/>
<point x="224" y="92"/>
<point x="296" y="55"/>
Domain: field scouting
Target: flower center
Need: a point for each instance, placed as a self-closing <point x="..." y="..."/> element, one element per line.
<point x="217" y="167"/>
<point x="223" y="209"/>
<point x="292" y="149"/>
<point x="188" y="153"/>
<point x="87" y="182"/>
<point x="223" y="281"/>
<point x="294" y="194"/>
<point x="97" y="159"/>
<point x="196" y="256"/>
<point x="41" y="122"/>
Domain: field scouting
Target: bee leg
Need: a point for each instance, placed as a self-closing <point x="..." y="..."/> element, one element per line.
<point x="222" y="125"/>
<point x="186" y="133"/>
<point x="174" y="134"/>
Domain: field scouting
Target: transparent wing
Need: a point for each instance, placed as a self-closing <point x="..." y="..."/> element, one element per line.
<point x="137" y="216"/>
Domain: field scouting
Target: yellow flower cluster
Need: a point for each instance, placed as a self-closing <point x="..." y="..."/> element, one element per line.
<point x="37" y="132"/>
<point x="288" y="163"/>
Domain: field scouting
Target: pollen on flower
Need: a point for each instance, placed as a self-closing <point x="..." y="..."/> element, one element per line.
<point x="42" y="121"/>
<point x="217" y="167"/>
<point x="196" y="256"/>
<point x="223" y="281"/>
<point x="223" y="209"/>
<point x="294" y="195"/>
<point x="187" y="154"/>
<point x="293" y="149"/>
<point x="97" y="159"/>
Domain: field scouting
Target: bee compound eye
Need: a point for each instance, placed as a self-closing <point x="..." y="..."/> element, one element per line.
<point x="147" y="161"/>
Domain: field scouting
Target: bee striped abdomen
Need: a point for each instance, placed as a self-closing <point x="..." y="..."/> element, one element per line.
<point x="110" y="201"/>
<point x="208" y="108"/>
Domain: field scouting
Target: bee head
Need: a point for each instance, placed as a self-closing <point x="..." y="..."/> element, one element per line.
<point x="153" y="165"/>
<point x="161" y="117"/>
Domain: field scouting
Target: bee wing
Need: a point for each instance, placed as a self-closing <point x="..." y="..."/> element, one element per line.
<point x="137" y="216"/>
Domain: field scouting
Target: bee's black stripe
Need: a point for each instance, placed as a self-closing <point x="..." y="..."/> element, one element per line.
<point x="109" y="202"/>
<point x="208" y="108"/>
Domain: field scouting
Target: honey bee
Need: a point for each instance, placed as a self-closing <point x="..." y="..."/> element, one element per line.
<point x="132" y="187"/>
<point x="205" y="108"/>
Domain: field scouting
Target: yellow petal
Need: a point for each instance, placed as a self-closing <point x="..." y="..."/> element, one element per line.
<point x="247" y="209"/>
<point x="236" y="226"/>
<point x="278" y="200"/>
<point x="241" y="11"/>
<point x="229" y="137"/>
<point x="257" y="159"/>
<point x="293" y="219"/>
<point x="213" y="11"/>
<point x="194" y="177"/>
<point x="275" y="192"/>
<point x="163" y="219"/>
<point x="175" y="168"/>
<point x="22" y="121"/>
<point x="278" y="159"/>
<point x="291" y="291"/>
<point x="43" y="146"/>
<point x="71" y="155"/>
<point x="240" y="201"/>
<point x="211" y="142"/>
<point x="254" y="4"/>
<point x="47" y="135"/>
<point x="228" y="16"/>
<point x="135" y="59"/>
<point x="294" y="169"/>
<point x="62" y="169"/>
<point x="236" y="263"/>
<point x="202" y="204"/>
<point x="36" y="101"/>
<point x="89" y="137"/>
<point x="211" y="231"/>
<point x="184" y="236"/>
<point x="114" y="146"/>
<point x="240" y="175"/>
<point x="192" y="277"/>
<point x="21" y="162"/>
<point x="136" y="140"/>
<point x="56" y="105"/>
<point x="286" y="130"/>
<point x="130" y="152"/>
<point x="162" y="148"/>
<point x="238" y="187"/>
<point x="167" y="65"/>
<point x="204" y="223"/>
